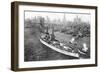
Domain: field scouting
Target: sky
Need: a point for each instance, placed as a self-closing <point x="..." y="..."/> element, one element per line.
<point x="54" y="15"/>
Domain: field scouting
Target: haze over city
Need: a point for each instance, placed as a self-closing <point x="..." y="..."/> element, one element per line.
<point x="58" y="16"/>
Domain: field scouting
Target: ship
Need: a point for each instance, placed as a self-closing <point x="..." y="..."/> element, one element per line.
<point x="49" y="40"/>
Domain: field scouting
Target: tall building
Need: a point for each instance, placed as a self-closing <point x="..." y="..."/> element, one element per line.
<point x="77" y="20"/>
<point x="64" y="19"/>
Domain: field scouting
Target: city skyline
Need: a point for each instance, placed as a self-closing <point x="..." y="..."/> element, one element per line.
<point x="58" y="16"/>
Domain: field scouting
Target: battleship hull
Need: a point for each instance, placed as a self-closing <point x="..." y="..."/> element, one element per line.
<point x="58" y="52"/>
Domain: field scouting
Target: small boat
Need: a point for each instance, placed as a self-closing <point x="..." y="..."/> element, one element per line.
<point x="63" y="51"/>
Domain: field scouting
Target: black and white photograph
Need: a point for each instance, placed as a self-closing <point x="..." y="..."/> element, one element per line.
<point x="51" y="36"/>
<point x="56" y="35"/>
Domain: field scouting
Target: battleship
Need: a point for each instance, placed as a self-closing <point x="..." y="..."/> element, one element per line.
<point x="67" y="49"/>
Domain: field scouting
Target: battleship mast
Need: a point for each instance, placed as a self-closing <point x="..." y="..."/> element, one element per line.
<point x="52" y="34"/>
